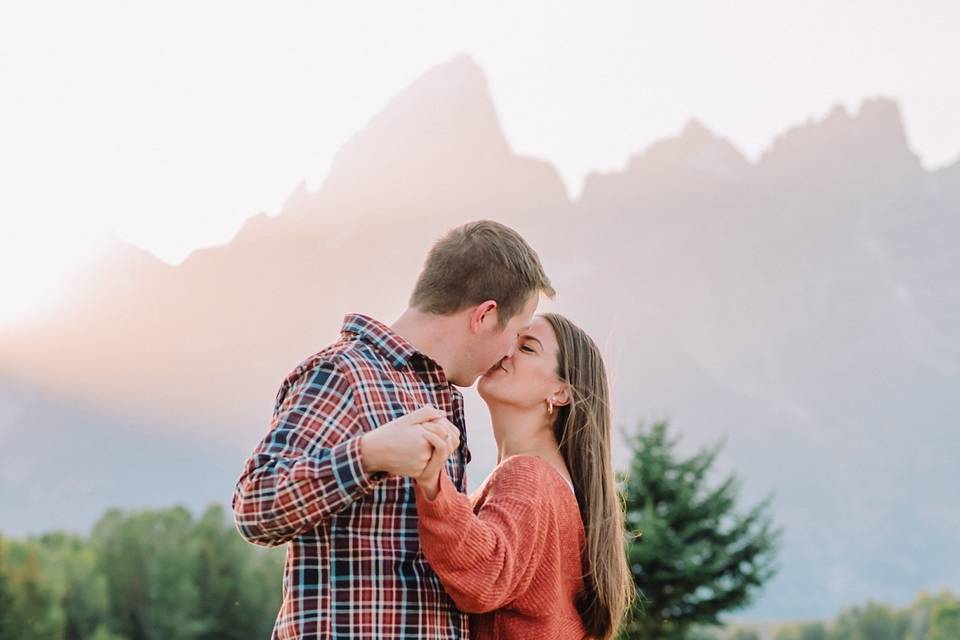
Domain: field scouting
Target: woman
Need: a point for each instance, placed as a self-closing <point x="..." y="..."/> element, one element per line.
<point x="537" y="552"/>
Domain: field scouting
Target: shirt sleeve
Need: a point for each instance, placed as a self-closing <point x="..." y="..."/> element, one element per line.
<point x="308" y="467"/>
<point x="486" y="559"/>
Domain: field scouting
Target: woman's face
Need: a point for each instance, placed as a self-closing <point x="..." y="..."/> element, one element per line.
<point x="528" y="377"/>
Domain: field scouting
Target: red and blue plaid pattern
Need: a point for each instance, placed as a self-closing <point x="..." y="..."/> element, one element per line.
<point x="354" y="568"/>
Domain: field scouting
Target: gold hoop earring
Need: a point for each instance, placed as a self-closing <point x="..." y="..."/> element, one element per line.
<point x="549" y="406"/>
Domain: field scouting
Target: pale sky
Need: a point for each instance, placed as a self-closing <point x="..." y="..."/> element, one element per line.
<point x="169" y="123"/>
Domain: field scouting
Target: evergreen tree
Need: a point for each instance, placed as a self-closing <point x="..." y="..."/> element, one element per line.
<point x="694" y="556"/>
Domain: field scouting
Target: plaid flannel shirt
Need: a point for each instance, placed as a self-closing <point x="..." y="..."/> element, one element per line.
<point x="354" y="568"/>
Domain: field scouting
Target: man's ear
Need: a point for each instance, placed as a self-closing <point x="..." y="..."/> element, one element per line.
<point x="486" y="311"/>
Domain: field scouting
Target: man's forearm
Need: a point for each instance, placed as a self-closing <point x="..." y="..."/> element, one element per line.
<point x="269" y="501"/>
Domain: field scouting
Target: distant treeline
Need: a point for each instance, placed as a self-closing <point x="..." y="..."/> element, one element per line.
<point x="145" y="575"/>
<point x="930" y="617"/>
<point x="165" y="575"/>
<point x="152" y="575"/>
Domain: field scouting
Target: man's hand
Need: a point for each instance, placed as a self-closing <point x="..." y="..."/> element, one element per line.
<point x="401" y="447"/>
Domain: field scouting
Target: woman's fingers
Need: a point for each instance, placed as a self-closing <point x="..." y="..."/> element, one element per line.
<point x="445" y="429"/>
<point x="454" y="434"/>
<point x="438" y="457"/>
<point x="439" y="443"/>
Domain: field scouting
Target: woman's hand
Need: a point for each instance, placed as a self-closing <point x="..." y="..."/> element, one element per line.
<point x="445" y="439"/>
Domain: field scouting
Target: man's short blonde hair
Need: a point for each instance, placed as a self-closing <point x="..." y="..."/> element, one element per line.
<point x="477" y="261"/>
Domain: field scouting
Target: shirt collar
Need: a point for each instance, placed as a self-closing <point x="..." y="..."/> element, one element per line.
<point x="382" y="337"/>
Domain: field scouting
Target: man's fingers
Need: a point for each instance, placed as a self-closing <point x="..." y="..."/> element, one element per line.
<point x="423" y="414"/>
<point x="435" y="427"/>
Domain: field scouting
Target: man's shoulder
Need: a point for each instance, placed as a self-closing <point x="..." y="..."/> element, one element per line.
<point x="353" y="360"/>
<point x="338" y="368"/>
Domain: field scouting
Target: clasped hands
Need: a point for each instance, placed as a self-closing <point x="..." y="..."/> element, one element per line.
<point x="415" y="445"/>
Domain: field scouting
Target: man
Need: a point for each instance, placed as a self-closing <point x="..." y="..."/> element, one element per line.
<point x="331" y="478"/>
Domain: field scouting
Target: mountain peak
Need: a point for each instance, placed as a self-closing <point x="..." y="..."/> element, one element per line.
<point x="695" y="148"/>
<point x="837" y="116"/>
<point x="695" y="130"/>
<point x="882" y="111"/>
<point x="443" y="116"/>
<point x="461" y="66"/>
<point x="871" y="143"/>
<point x="437" y="146"/>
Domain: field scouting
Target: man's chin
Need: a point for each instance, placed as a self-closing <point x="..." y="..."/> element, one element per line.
<point x="463" y="383"/>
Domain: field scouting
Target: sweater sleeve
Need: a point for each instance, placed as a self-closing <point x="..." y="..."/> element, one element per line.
<point x="486" y="560"/>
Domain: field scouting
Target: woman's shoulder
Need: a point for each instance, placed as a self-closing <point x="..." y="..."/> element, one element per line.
<point x="522" y="465"/>
<point x="531" y="474"/>
<point x="529" y="486"/>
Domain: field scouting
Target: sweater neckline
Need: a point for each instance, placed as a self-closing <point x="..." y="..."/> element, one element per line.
<point x="552" y="468"/>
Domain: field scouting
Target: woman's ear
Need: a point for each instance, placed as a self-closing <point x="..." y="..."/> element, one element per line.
<point x="561" y="396"/>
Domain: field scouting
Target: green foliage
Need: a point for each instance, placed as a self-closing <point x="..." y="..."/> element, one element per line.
<point x="874" y="621"/>
<point x="79" y="591"/>
<point x="34" y="610"/>
<point x="164" y="574"/>
<point x="7" y="595"/>
<point x="142" y="575"/>
<point x="945" y="624"/>
<point x="147" y="559"/>
<point x="102" y="633"/>
<point x="701" y="633"/>
<point x="239" y="584"/>
<point x="695" y="556"/>
<point x="920" y="615"/>
<point x="934" y="617"/>
<point x="805" y="631"/>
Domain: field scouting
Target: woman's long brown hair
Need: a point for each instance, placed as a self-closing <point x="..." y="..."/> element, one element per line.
<point x="583" y="430"/>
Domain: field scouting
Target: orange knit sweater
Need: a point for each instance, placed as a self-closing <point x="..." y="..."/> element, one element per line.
<point x="511" y="554"/>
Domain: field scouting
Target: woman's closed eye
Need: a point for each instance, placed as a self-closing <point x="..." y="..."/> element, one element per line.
<point x="526" y="343"/>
